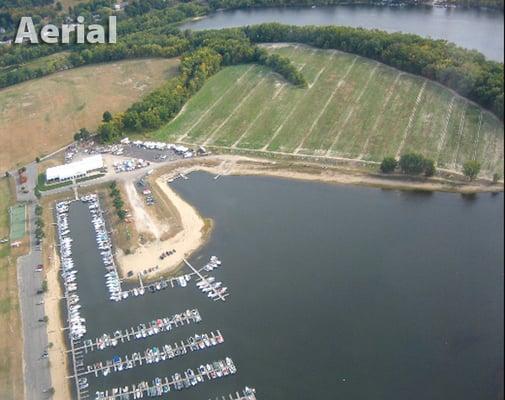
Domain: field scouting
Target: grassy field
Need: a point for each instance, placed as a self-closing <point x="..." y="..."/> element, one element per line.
<point x="41" y="116"/>
<point x="11" y="379"/>
<point x="353" y="108"/>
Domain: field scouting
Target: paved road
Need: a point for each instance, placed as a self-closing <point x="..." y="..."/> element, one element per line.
<point x="37" y="377"/>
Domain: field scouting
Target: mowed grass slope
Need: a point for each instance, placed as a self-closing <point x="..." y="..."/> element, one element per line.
<point x="353" y="108"/>
<point x="40" y="116"/>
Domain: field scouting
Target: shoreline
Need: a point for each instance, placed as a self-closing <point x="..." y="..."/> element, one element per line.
<point x="193" y="231"/>
<point x="315" y="172"/>
<point x="190" y="235"/>
<point x="57" y="352"/>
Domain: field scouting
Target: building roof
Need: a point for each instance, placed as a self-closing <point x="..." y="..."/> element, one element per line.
<point x="77" y="168"/>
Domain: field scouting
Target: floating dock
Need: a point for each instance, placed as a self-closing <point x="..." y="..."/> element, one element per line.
<point x="154" y="355"/>
<point x="247" y="394"/>
<point x="161" y="386"/>
<point x="218" y="295"/>
<point x="141" y="331"/>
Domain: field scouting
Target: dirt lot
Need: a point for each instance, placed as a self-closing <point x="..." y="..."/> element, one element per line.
<point x="41" y="116"/>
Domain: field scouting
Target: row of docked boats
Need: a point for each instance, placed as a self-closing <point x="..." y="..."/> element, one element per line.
<point x="104" y="244"/>
<point x="154" y="355"/>
<point x="213" y="264"/>
<point x="76" y="323"/>
<point x="161" y="386"/>
<point x="211" y="288"/>
<point x="179" y="281"/>
<point x="143" y="331"/>
<point x="247" y="394"/>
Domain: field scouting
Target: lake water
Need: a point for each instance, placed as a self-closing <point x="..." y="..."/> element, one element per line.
<point x="470" y="28"/>
<point x="337" y="292"/>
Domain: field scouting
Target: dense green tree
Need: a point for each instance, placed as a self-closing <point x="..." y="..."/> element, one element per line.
<point x="118" y="203"/>
<point x="471" y="169"/>
<point x="107" y="116"/>
<point x="429" y="167"/>
<point x="412" y="163"/>
<point x="83" y="134"/>
<point x="388" y="165"/>
<point x="122" y="214"/>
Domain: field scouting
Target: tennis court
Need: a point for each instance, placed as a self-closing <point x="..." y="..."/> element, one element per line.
<point x="18" y="222"/>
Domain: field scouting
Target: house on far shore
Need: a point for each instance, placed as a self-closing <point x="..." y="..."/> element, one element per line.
<point x="120" y="6"/>
<point x="76" y="170"/>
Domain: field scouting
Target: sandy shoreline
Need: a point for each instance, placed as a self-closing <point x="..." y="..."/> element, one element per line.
<point x="57" y="352"/>
<point x="190" y="234"/>
<point x="243" y="165"/>
<point x="189" y="237"/>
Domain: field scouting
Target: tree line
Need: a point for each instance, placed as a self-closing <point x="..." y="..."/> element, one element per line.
<point x="209" y="52"/>
<point x="154" y="34"/>
<point x="415" y="164"/>
<point x="465" y="71"/>
<point x="235" y="4"/>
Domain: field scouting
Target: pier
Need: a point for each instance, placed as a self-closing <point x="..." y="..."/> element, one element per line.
<point x="163" y="284"/>
<point x="151" y="356"/>
<point x="142" y="331"/>
<point x="247" y="394"/>
<point x="218" y="294"/>
<point x="177" y="382"/>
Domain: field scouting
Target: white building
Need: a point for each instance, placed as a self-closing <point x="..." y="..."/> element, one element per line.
<point x="75" y="170"/>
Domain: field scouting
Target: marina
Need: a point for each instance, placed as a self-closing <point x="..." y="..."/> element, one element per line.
<point x="155" y="327"/>
<point x="80" y="346"/>
<point x="177" y="382"/>
<point x="214" y="290"/>
<point x="247" y="394"/>
<point x="153" y="355"/>
<point x="248" y="320"/>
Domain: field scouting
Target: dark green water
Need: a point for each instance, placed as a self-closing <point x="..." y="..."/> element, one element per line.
<point x="337" y="292"/>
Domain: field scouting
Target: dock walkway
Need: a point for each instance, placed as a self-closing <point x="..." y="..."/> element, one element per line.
<point x="141" y="332"/>
<point x="217" y="293"/>
<point x="150" y="356"/>
<point x="247" y="394"/>
<point x="177" y="382"/>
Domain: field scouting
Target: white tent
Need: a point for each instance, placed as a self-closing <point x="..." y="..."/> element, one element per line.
<point x="73" y="170"/>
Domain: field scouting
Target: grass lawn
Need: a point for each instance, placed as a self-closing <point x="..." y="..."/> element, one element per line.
<point x="353" y="108"/>
<point x="42" y="115"/>
<point x="11" y="379"/>
<point x="43" y="186"/>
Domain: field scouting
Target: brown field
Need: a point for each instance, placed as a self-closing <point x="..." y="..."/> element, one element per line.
<point x="11" y="378"/>
<point x="41" y="116"/>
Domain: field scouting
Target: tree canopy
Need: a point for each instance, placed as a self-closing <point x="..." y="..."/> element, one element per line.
<point x="416" y="164"/>
<point x="471" y="169"/>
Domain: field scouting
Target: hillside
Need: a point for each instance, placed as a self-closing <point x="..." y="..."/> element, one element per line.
<point x="354" y="108"/>
<point x="41" y="116"/>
